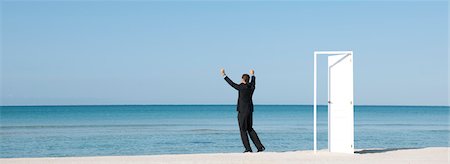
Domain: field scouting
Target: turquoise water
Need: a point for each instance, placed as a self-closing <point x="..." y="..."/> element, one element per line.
<point x="56" y="131"/>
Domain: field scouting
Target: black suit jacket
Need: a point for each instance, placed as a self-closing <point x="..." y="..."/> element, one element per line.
<point x="245" y="102"/>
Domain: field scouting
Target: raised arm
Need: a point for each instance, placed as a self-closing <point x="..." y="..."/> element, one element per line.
<point x="232" y="84"/>
<point x="253" y="80"/>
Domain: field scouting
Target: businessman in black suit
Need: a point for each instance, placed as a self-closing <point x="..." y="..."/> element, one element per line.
<point x="245" y="109"/>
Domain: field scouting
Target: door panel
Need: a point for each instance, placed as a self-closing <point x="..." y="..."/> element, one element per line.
<point x="340" y="103"/>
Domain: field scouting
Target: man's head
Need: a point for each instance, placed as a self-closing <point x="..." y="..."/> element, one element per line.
<point x="245" y="78"/>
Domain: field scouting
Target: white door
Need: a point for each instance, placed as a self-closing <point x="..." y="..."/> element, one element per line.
<point x="340" y="103"/>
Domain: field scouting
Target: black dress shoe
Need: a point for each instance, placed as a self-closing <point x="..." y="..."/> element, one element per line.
<point x="261" y="150"/>
<point x="248" y="151"/>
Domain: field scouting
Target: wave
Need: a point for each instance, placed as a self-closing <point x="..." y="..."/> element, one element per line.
<point x="205" y="130"/>
<point x="93" y="126"/>
<point x="383" y="124"/>
<point x="201" y="142"/>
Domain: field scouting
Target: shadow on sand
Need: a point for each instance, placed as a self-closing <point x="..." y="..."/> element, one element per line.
<point x="368" y="151"/>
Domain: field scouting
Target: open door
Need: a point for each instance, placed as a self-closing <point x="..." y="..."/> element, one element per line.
<point x="340" y="103"/>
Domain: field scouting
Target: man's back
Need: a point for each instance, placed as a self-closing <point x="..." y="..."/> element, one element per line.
<point x="245" y="102"/>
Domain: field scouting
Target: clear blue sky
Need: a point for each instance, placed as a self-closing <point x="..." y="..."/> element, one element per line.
<point x="171" y="52"/>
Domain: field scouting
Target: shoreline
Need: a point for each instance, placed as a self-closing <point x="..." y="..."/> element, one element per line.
<point x="435" y="155"/>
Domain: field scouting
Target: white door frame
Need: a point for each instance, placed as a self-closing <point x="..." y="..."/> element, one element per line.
<point x="316" y="53"/>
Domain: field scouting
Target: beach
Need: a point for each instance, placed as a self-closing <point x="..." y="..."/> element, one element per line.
<point x="432" y="155"/>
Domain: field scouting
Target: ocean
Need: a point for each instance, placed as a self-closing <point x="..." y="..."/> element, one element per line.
<point x="61" y="131"/>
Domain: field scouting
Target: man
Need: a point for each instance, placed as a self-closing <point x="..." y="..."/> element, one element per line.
<point x="245" y="109"/>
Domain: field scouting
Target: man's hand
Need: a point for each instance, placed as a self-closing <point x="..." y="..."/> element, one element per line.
<point x="252" y="72"/>
<point x="222" y="72"/>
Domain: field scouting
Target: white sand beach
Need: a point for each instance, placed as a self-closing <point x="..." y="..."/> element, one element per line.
<point x="434" y="155"/>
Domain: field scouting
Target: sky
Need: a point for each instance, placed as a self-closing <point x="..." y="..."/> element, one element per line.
<point x="155" y="52"/>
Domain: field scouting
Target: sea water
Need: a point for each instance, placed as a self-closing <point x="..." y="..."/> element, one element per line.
<point x="59" y="131"/>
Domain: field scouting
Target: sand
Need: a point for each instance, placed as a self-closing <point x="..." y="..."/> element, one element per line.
<point x="435" y="155"/>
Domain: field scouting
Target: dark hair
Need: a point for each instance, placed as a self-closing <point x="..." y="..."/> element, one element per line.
<point x="246" y="78"/>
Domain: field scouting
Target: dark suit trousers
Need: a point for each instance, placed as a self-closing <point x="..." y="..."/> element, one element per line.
<point x="245" y="120"/>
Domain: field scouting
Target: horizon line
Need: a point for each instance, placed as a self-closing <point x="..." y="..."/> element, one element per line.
<point x="50" y="105"/>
